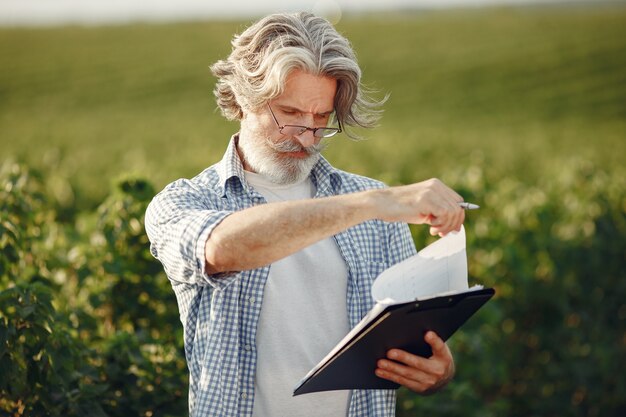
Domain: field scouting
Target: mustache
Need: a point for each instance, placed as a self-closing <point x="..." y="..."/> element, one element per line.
<point x="294" y="146"/>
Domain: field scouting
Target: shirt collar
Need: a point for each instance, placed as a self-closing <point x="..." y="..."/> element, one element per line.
<point x="231" y="167"/>
<point x="326" y="178"/>
<point x="230" y="170"/>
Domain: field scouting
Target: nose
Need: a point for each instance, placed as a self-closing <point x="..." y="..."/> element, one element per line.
<point x="307" y="139"/>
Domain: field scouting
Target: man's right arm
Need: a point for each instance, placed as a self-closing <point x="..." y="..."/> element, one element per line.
<point x="263" y="234"/>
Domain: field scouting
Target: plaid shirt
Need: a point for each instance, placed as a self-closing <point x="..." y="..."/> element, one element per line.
<point x="220" y="314"/>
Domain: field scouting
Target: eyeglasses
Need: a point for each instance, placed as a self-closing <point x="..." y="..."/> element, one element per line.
<point x="295" y="130"/>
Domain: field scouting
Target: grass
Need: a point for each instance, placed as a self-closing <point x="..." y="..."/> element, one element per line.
<point x="510" y="89"/>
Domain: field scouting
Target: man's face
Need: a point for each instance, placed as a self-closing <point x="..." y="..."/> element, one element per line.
<point x="307" y="100"/>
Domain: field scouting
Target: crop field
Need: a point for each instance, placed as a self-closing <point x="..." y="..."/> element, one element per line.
<point x="509" y="89"/>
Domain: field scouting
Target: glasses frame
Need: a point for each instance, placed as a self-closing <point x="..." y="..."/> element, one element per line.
<point x="331" y="130"/>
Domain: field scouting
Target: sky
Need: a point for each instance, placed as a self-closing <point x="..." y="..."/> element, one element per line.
<point x="53" y="12"/>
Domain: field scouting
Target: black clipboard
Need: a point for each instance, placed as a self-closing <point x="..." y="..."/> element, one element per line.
<point x="397" y="326"/>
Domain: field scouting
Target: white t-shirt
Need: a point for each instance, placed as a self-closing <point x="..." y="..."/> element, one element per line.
<point x="303" y="316"/>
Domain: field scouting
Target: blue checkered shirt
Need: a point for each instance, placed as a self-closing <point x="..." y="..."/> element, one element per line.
<point x="220" y="314"/>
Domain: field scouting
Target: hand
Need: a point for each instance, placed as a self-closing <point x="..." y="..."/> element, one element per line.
<point x="424" y="376"/>
<point x="428" y="202"/>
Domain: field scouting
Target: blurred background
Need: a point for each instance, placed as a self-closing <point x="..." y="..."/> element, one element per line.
<point x="519" y="105"/>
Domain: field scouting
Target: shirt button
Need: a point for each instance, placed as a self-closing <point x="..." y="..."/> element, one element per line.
<point x="244" y="395"/>
<point x="247" y="347"/>
<point x="251" y="300"/>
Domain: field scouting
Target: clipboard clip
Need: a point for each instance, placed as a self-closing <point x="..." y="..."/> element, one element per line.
<point x="420" y="305"/>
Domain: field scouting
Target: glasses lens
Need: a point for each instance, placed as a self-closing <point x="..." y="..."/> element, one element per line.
<point x="325" y="132"/>
<point x="290" y="130"/>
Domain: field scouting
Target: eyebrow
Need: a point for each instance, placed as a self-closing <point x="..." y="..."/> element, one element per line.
<point x="291" y="108"/>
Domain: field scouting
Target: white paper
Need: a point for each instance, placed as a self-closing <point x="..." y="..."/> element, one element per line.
<point x="440" y="267"/>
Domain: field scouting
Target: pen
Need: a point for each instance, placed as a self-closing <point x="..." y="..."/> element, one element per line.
<point x="468" y="206"/>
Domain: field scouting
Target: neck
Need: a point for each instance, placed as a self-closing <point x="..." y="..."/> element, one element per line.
<point x="242" y="158"/>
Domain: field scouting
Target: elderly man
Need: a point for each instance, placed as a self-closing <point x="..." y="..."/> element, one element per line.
<point x="272" y="252"/>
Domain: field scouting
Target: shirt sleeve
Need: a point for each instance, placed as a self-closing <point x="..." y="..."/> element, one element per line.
<point x="178" y="222"/>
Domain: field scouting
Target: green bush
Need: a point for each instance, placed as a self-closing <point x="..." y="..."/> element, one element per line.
<point x="89" y="324"/>
<point x="552" y="341"/>
<point x="45" y="369"/>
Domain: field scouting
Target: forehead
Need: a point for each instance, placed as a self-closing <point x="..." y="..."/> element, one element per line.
<point x="308" y="93"/>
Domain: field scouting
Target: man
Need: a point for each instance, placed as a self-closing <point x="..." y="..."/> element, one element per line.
<point x="272" y="252"/>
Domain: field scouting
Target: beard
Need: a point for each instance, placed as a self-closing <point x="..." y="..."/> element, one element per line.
<point x="270" y="159"/>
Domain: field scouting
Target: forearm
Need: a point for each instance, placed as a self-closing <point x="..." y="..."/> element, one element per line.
<point x="263" y="234"/>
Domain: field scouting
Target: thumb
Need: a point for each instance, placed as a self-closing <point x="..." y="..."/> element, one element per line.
<point x="437" y="345"/>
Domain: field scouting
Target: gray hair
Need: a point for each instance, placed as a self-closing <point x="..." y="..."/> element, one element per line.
<point x="264" y="54"/>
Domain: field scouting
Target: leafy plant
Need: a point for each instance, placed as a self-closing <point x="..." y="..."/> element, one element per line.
<point x="87" y="324"/>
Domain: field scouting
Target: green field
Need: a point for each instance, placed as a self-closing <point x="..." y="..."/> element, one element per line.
<point x="508" y="88"/>
<point x="522" y="110"/>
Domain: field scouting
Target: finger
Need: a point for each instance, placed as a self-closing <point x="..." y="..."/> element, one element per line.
<point x="407" y="358"/>
<point x="402" y="373"/>
<point x="405" y="363"/>
<point x="453" y="221"/>
<point x="461" y="219"/>
<point x="442" y="228"/>
<point x="417" y="382"/>
<point x="401" y="369"/>
<point x="451" y="211"/>
<point x="437" y="345"/>
<point x="441" y="216"/>
<point x="449" y="224"/>
<point x="437" y="224"/>
<point x="416" y="386"/>
<point x="425" y="375"/>
<point x="457" y="215"/>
